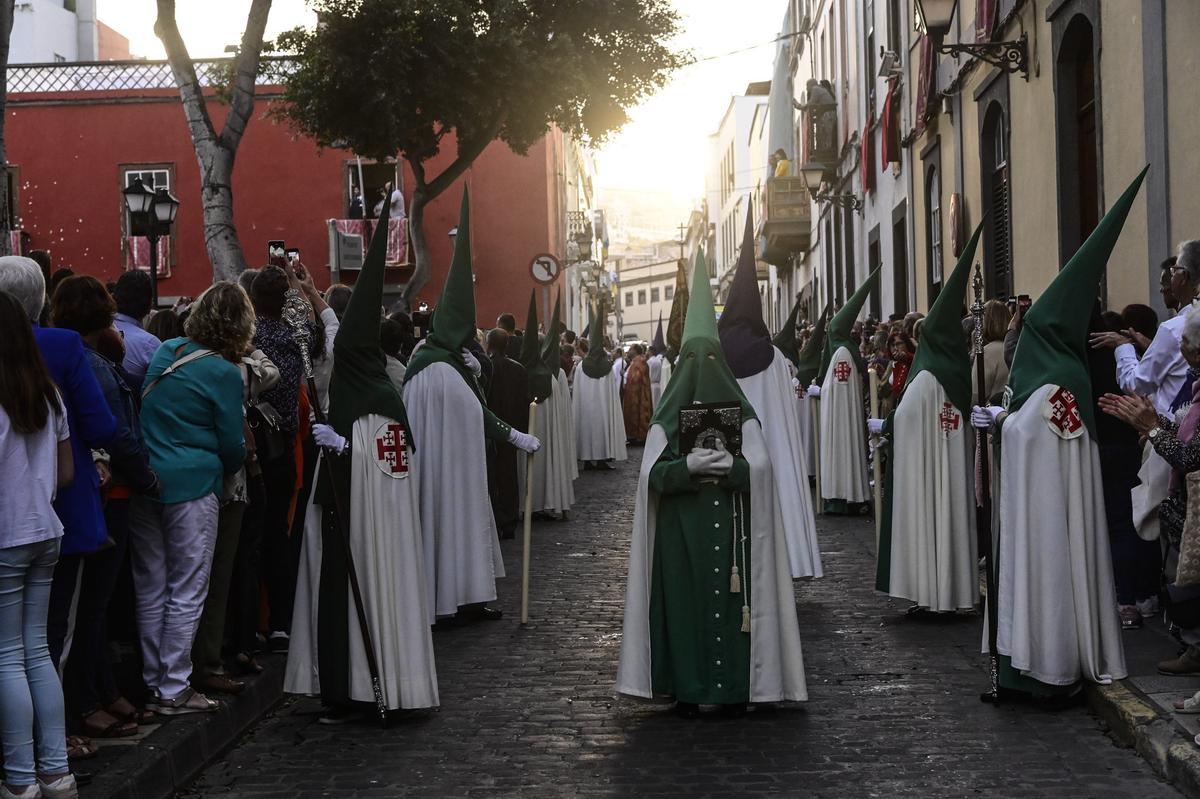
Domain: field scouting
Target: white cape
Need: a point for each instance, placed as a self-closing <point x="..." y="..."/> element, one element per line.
<point x="843" y="432"/>
<point x="462" y="549"/>
<point x="554" y="467"/>
<point x="385" y="537"/>
<point x="777" y="662"/>
<point x="934" y="554"/>
<point x="599" y="425"/>
<point x="1057" y="606"/>
<point x="660" y="373"/>
<point x="774" y="401"/>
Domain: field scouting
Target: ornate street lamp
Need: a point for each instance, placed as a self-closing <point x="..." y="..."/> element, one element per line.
<point x="151" y="214"/>
<point x="933" y="19"/>
<point x="814" y="175"/>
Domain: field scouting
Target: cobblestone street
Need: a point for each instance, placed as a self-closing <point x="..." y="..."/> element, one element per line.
<point x="893" y="708"/>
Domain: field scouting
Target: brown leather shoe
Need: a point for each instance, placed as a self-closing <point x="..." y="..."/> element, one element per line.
<point x="219" y="684"/>
<point x="1187" y="663"/>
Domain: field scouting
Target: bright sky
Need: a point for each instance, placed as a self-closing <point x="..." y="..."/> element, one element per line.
<point x="664" y="150"/>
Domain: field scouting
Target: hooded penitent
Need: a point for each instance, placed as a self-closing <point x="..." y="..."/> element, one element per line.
<point x="700" y="592"/>
<point x="596" y="401"/>
<point x="745" y="338"/>
<point x="383" y="523"/>
<point x="659" y="345"/>
<point x="531" y="358"/>
<point x="764" y="376"/>
<point x="785" y="339"/>
<point x="808" y="365"/>
<point x="843" y="439"/>
<point x="552" y="349"/>
<point x="1056" y="623"/>
<point x="554" y="466"/>
<point x="452" y="422"/>
<point x="927" y="545"/>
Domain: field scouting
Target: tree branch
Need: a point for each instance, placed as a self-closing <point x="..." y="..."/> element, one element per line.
<point x="468" y="151"/>
<point x="241" y="104"/>
<point x="167" y="30"/>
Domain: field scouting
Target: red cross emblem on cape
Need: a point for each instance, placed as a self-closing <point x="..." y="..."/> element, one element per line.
<point x="1061" y="412"/>
<point x="841" y="372"/>
<point x="391" y="450"/>
<point x="949" y="419"/>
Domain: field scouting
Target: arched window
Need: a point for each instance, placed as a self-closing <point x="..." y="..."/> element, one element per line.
<point x="1075" y="96"/>
<point x="997" y="193"/>
<point x="933" y="230"/>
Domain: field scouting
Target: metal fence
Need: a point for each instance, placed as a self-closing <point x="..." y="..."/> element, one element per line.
<point x="96" y="76"/>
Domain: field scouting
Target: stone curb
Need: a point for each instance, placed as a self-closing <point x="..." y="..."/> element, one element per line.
<point x="1136" y="722"/>
<point x="175" y="754"/>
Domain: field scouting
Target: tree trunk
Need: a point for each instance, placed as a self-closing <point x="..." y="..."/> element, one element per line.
<point x="421" y="265"/>
<point x="216" y="152"/>
<point x="6" y="23"/>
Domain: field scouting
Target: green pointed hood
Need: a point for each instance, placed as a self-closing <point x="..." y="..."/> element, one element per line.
<point x="360" y="384"/>
<point x="843" y="321"/>
<point x="943" y="347"/>
<point x="808" y="365"/>
<point x="679" y="306"/>
<point x="552" y="350"/>
<point x="701" y="374"/>
<point x="597" y="364"/>
<point x="785" y="339"/>
<point x="453" y="323"/>
<point x="531" y="358"/>
<point x="1053" y="344"/>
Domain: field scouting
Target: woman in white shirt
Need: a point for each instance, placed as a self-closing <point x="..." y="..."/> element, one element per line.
<point x="35" y="453"/>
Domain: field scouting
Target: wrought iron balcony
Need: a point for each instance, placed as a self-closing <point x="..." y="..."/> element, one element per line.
<point x="787" y="221"/>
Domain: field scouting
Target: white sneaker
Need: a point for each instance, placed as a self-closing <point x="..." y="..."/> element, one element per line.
<point x="1148" y="607"/>
<point x="31" y="792"/>
<point x="62" y="788"/>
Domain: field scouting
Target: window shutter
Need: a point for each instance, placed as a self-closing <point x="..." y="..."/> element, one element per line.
<point x="1001" y="236"/>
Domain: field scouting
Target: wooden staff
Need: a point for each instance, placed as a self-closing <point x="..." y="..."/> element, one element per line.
<point x="983" y="508"/>
<point x="815" y="411"/>
<point x="528" y="532"/>
<point x="876" y="463"/>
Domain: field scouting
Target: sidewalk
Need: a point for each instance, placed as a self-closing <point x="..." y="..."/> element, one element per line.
<point x="165" y="755"/>
<point x="1139" y="710"/>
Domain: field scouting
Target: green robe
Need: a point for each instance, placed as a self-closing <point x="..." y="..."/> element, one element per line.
<point x="699" y="653"/>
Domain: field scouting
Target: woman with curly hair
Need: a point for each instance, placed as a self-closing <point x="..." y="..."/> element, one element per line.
<point x="192" y="423"/>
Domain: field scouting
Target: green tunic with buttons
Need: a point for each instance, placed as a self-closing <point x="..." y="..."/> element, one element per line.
<point x="699" y="652"/>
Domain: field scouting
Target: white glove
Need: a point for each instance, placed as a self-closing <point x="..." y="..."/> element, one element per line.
<point x="985" y="417"/>
<point x="723" y="463"/>
<point x="524" y="441"/>
<point x="472" y="362"/>
<point x="814" y="391"/>
<point x="874" y="426"/>
<point x="327" y="438"/>
<point x="700" y="460"/>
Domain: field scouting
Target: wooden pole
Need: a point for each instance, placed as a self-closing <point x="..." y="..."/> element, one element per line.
<point x="528" y="521"/>
<point x="815" y="406"/>
<point x="876" y="462"/>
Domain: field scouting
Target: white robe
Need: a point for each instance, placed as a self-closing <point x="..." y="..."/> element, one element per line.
<point x="599" y="425"/>
<point x="776" y="658"/>
<point x="462" y="548"/>
<point x="657" y="383"/>
<point x="843" y="432"/>
<point x="388" y="559"/>
<point x="774" y="401"/>
<point x="567" y="413"/>
<point x="1057" y="605"/>
<point x="935" y="552"/>
<point x="805" y="409"/>
<point x="554" y="467"/>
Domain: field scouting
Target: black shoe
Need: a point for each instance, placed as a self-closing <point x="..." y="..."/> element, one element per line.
<point x="687" y="710"/>
<point x="336" y="716"/>
<point x="607" y="465"/>
<point x="278" y="641"/>
<point x="480" y="612"/>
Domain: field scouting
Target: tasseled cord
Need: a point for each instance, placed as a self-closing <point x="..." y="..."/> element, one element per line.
<point x="735" y="581"/>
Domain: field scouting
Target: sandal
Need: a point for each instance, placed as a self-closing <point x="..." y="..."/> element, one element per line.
<point x="1190" y="705"/>
<point x="101" y="724"/>
<point x="190" y="701"/>
<point x="124" y="710"/>
<point x="247" y="664"/>
<point x="80" y="748"/>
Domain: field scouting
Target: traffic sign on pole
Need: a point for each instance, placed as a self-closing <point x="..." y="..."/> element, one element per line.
<point x="545" y="269"/>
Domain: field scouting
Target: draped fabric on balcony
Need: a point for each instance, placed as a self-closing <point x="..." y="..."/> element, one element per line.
<point x="924" y="88"/>
<point x="985" y="19"/>
<point x="397" y="239"/>
<point x="890" y="124"/>
<point x="138" y="250"/>
<point x="867" y="159"/>
<point x="781" y="131"/>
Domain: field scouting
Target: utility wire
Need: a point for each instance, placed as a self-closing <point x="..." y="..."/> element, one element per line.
<point x="746" y="49"/>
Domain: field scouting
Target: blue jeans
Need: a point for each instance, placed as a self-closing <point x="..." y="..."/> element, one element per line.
<point x="31" y="697"/>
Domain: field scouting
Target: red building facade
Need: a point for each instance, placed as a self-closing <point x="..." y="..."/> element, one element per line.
<point x="77" y="134"/>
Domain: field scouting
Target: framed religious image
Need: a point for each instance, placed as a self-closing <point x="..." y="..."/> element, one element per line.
<point x="704" y="424"/>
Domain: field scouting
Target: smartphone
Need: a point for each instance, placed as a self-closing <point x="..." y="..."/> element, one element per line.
<point x="293" y="255"/>
<point x="276" y="252"/>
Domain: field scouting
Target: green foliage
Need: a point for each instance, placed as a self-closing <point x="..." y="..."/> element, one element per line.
<point x="388" y="77"/>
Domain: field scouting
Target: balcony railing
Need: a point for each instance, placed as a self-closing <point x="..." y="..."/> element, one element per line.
<point x="98" y="76"/>
<point x="787" y="221"/>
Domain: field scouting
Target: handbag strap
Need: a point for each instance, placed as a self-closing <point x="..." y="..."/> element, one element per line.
<point x="178" y="364"/>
